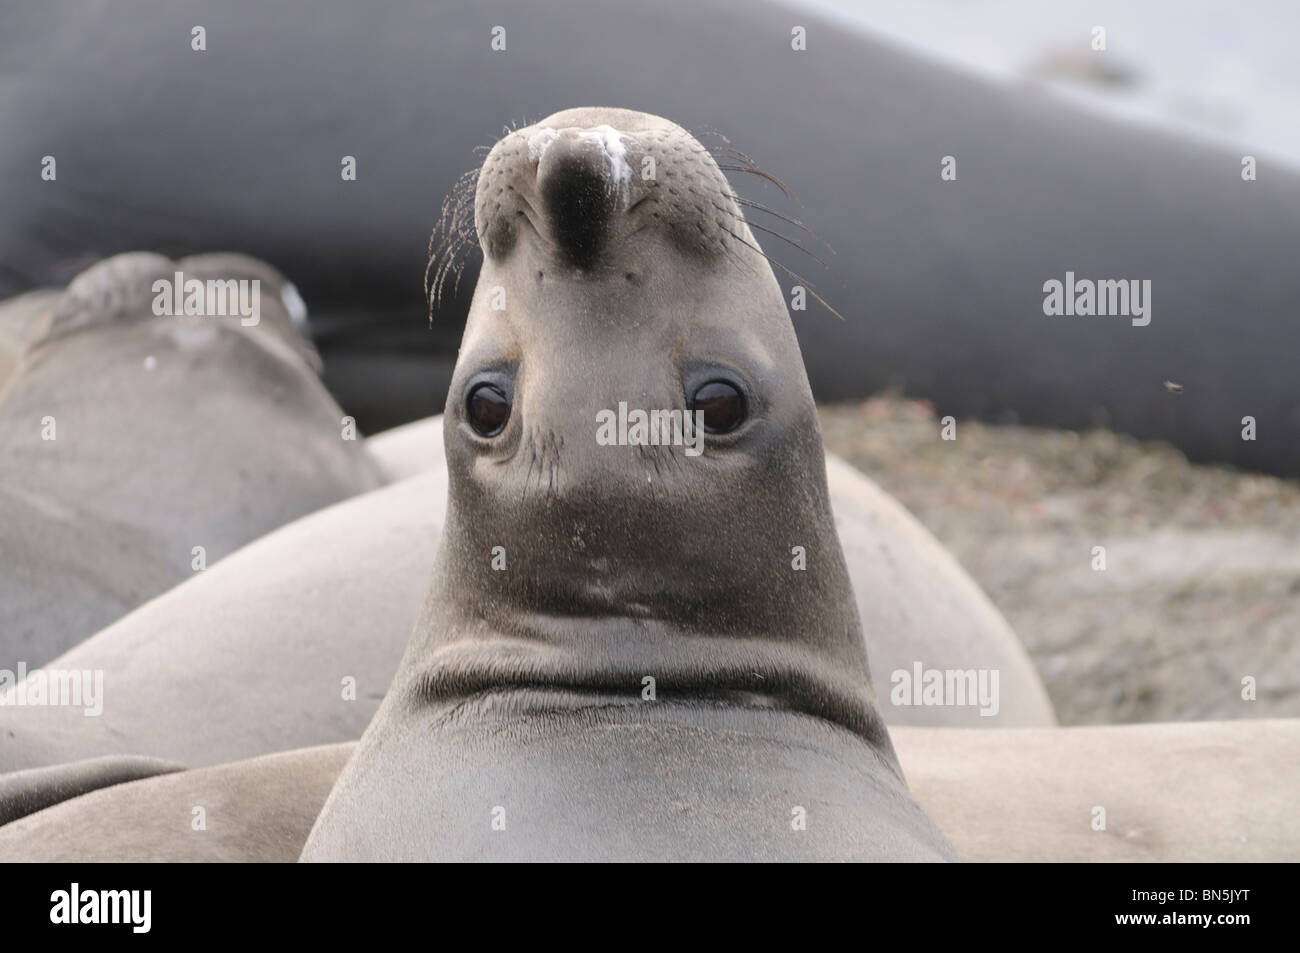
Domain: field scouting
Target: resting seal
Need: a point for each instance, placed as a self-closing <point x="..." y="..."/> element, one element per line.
<point x="258" y="810"/>
<point x="282" y="622"/>
<point x="1023" y="795"/>
<point x="252" y="655"/>
<point x="608" y="690"/>
<point x="129" y="439"/>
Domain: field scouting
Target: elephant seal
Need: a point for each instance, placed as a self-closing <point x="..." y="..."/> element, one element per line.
<point x="19" y="319"/>
<point x="1189" y="791"/>
<point x="916" y="603"/>
<point x="615" y="632"/>
<point x="315" y="638"/>
<point x="289" y="642"/>
<point x="131" y="439"/>
<point x="1200" y="791"/>
<point x="409" y="449"/>
<point x="26" y="792"/>
<point x="945" y="299"/>
<point x="254" y="811"/>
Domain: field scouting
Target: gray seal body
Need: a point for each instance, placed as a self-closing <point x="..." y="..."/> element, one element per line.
<point x="138" y="448"/>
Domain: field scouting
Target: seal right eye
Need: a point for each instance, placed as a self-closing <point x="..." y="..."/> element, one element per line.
<point x="488" y="409"/>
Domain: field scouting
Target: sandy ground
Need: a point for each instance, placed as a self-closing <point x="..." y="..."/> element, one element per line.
<point x="1201" y="585"/>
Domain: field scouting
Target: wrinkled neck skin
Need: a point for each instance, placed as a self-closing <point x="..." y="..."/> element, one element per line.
<point x="623" y="563"/>
<point x="605" y="589"/>
<point x="618" y="648"/>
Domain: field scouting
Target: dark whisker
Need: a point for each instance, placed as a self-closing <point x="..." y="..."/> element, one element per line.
<point x="753" y="170"/>
<point x="731" y="153"/>
<point x="750" y="203"/>
<point x="452" y="236"/>
<point x="799" y="278"/>
<point x="791" y="241"/>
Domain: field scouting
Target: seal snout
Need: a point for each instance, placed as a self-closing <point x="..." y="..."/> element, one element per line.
<point x="581" y="185"/>
<point x="584" y="181"/>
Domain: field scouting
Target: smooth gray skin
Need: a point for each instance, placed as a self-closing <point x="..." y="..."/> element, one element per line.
<point x="410" y="449"/>
<point x="1194" y="791"/>
<point x="295" y="612"/>
<point x="20" y="319"/>
<point x="522" y="690"/>
<point x="226" y="433"/>
<point x="258" y="810"/>
<point x="250" y="657"/>
<point x="1201" y="791"/>
<point x="26" y="792"/>
<point x="943" y="280"/>
<point x="914" y="600"/>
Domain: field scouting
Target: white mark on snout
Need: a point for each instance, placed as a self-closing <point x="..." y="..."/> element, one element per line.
<point x="538" y="142"/>
<point x="611" y="142"/>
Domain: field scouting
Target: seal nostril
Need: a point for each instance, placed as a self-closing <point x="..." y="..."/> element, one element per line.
<point x="578" y="200"/>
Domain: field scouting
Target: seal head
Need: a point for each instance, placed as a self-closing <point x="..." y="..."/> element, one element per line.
<point x="631" y="560"/>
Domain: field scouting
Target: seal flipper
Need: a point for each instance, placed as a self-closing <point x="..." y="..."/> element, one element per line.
<point x="26" y="792"/>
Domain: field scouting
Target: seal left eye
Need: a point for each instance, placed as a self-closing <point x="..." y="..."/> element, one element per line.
<point x="488" y="409"/>
<point x="723" y="406"/>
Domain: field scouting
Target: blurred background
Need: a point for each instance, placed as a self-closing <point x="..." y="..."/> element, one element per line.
<point x="1220" y="69"/>
<point x="1207" y="584"/>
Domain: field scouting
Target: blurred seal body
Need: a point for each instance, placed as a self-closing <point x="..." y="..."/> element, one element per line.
<point x="139" y="448"/>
